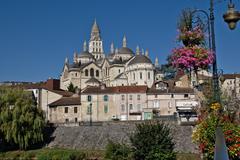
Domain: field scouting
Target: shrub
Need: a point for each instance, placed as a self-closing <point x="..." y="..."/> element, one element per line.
<point x="61" y="154"/>
<point x="152" y="141"/>
<point x="117" y="151"/>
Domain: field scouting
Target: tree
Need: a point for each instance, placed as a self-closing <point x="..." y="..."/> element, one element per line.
<point x="152" y="140"/>
<point x="71" y="88"/>
<point x="21" y="122"/>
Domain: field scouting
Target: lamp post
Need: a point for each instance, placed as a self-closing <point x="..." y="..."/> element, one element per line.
<point x="231" y="17"/>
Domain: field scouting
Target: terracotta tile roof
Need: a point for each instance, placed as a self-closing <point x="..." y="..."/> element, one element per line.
<point x="44" y="86"/>
<point x="66" y="101"/>
<point x="231" y="76"/>
<point x="118" y="89"/>
<point x="170" y="90"/>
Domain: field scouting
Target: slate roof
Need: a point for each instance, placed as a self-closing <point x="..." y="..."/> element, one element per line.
<point x="85" y="54"/>
<point x="140" y="59"/>
<point x="125" y="50"/>
<point x="93" y="80"/>
<point x="66" y="101"/>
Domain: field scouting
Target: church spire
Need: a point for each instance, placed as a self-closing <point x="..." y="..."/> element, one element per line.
<point x="112" y="48"/>
<point x="85" y="46"/>
<point x="66" y="60"/>
<point x="124" y="43"/>
<point x="95" y="34"/>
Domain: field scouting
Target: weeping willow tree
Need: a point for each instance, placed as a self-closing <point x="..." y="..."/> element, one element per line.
<point x="21" y="122"/>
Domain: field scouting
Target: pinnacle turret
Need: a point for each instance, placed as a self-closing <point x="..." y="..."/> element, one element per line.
<point x="124" y="43"/>
<point x="112" y="48"/>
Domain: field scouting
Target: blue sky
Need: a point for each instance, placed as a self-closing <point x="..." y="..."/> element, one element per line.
<point x="37" y="35"/>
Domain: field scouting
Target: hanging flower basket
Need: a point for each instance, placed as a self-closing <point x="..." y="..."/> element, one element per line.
<point x="191" y="58"/>
<point x="191" y="37"/>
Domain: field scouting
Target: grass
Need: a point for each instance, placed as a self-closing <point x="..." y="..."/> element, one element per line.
<point x="69" y="154"/>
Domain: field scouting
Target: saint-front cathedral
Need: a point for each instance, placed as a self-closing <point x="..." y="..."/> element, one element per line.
<point x="120" y="67"/>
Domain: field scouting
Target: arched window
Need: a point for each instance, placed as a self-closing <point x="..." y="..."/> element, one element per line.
<point x="97" y="73"/>
<point x="140" y="75"/>
<point x="92" y="72"/>
<point x="148" y="75"/>
<point x="86" y="72"/>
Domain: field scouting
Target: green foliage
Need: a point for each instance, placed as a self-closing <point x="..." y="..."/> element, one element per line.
<point x="45" y="154"/>
<point x="117" y="151"/>
<point x="61" y="154"/>
<point x="152" y="140"/>
<point x="21" y="122"/>
<point x="71" y="88"/>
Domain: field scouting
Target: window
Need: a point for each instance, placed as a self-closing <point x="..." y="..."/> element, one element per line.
<point x="66" y="110"/>
<point x="119" y="71"/>
<point x="97" y="73"/>
<point x="133" y="76"/>
<point x="105" y="98"/>
<point x="156" y="96"/>
<point x="138" y="107"/>
<point x="172" y="95"/>
<point x="148" y="75"/>
<point x="185" y="95"/>
<point x="130" y="97"/>
<point x="86" y="72"/>
<point x="89" y="98"/>
<point x="89" y="109"/>
<point x="66" y="120"/>
<point x="155" y="104"/>
<point x="75" y="74"/>
<point x="76" y="120"/>
<point x="75" y="109"/>
<point x="123" y="108"/>
<point x="138" y="97"/>
<point x="140" y="75"/>
<point x="123" y="97"/>
<point x="130" y="107"/>
<point x="105" y="108"/>
<point x="92" y="72"/>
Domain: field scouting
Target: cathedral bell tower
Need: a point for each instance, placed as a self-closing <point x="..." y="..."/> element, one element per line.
<point x="95" y="43"/>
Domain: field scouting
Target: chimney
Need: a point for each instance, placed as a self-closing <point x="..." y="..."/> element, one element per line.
<point x="53" y="84"/>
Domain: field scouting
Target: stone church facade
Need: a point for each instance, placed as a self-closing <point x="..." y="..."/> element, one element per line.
<point x="120" y="67"/>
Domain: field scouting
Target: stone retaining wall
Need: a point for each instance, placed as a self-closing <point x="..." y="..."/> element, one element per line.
<point x="96" y="137"/>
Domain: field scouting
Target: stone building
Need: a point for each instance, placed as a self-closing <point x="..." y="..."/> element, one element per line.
<point x="120" y="67"/>
<point x="230" y="84"/>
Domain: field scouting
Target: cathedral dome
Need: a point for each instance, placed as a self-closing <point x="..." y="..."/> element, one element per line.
<point x="140" y="59"/>
<point x="85" y="54"/>
<point x="125" y="50"/>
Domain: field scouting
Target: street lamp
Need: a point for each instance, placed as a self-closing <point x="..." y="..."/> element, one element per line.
<point x="232" y="16"/>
